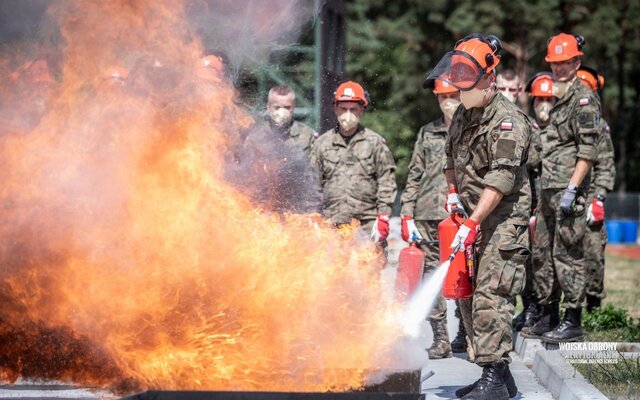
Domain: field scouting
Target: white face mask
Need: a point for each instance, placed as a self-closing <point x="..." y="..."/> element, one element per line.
<point x="472" y="98"/>
<point x="559" y="89"/>
<point x="281" y="117"/>
<point x="542" y="110"/>
<point x="509" y="95"/>
<point x="448" y="107"/>
<point x="348" y="121"/>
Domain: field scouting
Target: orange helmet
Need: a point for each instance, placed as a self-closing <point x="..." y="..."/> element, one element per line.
<point x="116" y="72"/>
<point x="351" y="91"/>
<point x="541" y="85"/>
<point x="472" y="59"/>
<point x="591" y="78"/>
<point x="210" y="68"/>
<point x="563" y="47"/>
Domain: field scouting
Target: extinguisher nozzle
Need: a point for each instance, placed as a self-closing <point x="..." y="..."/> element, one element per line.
<point x="454" y="252"/>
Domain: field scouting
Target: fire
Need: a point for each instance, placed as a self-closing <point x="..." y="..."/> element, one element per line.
<point x="123" y="244"/>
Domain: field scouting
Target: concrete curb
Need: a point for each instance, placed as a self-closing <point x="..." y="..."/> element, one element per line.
<point x="558" y="376"/>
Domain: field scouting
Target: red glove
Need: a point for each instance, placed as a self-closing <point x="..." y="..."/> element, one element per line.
<point x="380" y="229"/>
<point x="409" y="231"/>
<point x="467" y="234"/>
<point x="595" y="212"/>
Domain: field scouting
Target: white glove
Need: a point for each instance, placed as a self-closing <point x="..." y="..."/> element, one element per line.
<point x="460" y="237"/>
<point x="408" y="230"/>
<point x="453" y="201"/>
<point x="590" y="217"/>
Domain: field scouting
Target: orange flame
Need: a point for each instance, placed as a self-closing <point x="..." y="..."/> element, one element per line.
<point x="117" y="226"/>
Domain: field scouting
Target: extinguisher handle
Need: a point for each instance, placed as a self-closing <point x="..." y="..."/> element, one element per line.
<point x="460" y="211"/>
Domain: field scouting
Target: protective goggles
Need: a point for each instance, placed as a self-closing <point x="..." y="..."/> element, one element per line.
<point x="458" y="69"/>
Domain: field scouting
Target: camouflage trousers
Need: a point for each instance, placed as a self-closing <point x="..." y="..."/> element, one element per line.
<point x="595" y="240"/>
<point x="429" y="231"/>
<point x="559" y="263"/>
<point x="501" y="254"/>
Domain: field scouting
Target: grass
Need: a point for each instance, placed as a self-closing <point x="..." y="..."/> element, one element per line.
<point x="622" y="283"/>
<point x="617" y="321"/>
<point x="616" y="381"/>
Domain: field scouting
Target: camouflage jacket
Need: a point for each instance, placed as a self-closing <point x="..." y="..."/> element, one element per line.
<point x="488" y="147"/>
<point x="426" y="187"/>
<point x="534" y="164"/>
<point x="603" y="175"/>
<point x="297" y="132"/>
<point x="357" y="178"/>
<point x="572" y="133"/>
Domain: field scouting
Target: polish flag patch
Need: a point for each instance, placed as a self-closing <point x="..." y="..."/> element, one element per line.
<point x="584" y="101"/>
<point x="506" y="126"/>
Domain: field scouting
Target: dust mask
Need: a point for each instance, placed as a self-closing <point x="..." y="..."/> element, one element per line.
<point x="281" y="117"/>
<point x="509" y="95"/>
<point x="472" y="98"/>
<point x="348" y="121"/>
<point x="448" y="107"/>
<point x="542" y="110"/>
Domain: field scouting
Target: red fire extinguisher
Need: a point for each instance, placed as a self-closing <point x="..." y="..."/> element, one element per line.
<point x="458" y="283"/>
<point x="409" y="273"/>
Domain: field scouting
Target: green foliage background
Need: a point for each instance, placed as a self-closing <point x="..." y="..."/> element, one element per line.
<point x="392" y="45"/>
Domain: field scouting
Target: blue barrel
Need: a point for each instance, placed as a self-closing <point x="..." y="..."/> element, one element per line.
<point x="629" y="231"/>
<point x="614" y="231"/>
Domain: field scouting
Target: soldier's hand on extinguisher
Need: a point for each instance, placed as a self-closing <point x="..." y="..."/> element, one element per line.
<point x="380" y="229"/>
<point x="568" y="197"/>
<point x="467" y="234"/>
<point x="453" y="201"/>
<point x="595" y="212"/>
<point x="409" y="231"/>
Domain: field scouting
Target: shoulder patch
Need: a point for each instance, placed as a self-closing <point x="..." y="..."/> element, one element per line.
<point x="535" y="125"/>
<point x="316" y="134"/>
<point x="607" y="129"/>
<point x="584" y="101"/>
<point x="383" y="140"/>
<point x="506" y="126"/>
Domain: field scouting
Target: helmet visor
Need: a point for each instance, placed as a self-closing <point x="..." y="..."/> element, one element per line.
<point x="458" y="69"/>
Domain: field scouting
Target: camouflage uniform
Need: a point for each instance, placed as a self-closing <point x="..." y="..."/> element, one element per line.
<point x="298" y="133"/>
<point x="602" y="180"/>
<point x="422" y="198"/>
<point x="534" y="168"/>
<point x="487" y="147"/>
<point x="357" y="176"/>
<point x="571" y="134"/>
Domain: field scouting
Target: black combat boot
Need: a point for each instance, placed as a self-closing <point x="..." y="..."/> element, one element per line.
<point x="440" y="347"/>
<point x="528" y="315"/>
<point x="459" y="344"/>
<point x="509" y="382"/>
<point x="491" y="385"/>
<point x="531" y="314"/>
<point x="570" y="330"/>
<point x="593" y="302"/>
<point x="548" y="321"/>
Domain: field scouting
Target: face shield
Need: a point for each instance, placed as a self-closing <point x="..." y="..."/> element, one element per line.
<point x="458" y="69"/>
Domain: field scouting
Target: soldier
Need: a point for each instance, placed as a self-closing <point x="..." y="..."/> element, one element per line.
<point x="603" y="177"/>
<point x="486" y="151"/>
<point x="280" y="105"/>
<point x="425" y="188"/>
<point x="568" y="151"/>
<point x="540" y="89"/>
<point x="508" y="84"/>
<point x="355" y="167"/>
